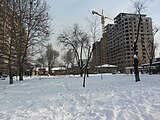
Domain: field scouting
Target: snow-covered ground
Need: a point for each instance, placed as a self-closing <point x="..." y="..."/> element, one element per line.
<point x="115" y="97"/>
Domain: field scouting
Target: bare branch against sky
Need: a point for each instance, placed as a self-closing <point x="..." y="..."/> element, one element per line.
<point x="66" y="12"/>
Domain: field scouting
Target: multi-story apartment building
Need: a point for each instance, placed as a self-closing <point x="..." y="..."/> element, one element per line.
<point x="9" y="37"/>
<point x="4" y="37"/>
<point x="119" y="38"/>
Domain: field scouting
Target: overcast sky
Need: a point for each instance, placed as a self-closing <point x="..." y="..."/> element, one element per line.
<point x="68" y="12"/>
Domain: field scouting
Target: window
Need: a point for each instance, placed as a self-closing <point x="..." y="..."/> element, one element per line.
<point x="126" y="30"/>
<point x="126" y="23"/>
<point x="126" y="27"/>
<point x="127" y="38"/>
<point x="127" y="42"/>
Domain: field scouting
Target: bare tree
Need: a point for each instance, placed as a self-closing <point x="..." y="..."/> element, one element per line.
<point x="139" y="7"/>
<point x="9" y="37"/>
<point x="75" y="39"/>
<point x="95" y="34"/>
<point x="68" y="59"/>
<point x="34" y="28"/>
<point x="12" y="39"/>
<point x="28" y="26"/>
<point x="41" y="60"/>
<point x="80" y="43"/>
<point x="94" y="30"/>
<point x="51" y="56"/>
<point x="151" y="53"/>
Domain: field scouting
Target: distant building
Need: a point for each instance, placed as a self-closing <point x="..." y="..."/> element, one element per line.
<point x="106" y="68"/>
<point x="155" y="68"/>
<point x="117" y="46"/>
<point x="59" y="70"/>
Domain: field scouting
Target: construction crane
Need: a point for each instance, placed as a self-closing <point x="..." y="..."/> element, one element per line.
<point x="102" y="20"/>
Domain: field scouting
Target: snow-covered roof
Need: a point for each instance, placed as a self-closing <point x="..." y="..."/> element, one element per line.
<point x="153" y="63"/>
<point x="107" y="66"/>
<point x="132" y="67"/>
<point x="58" y="68"/>
<point x="41" y="68"/>
<point x="54" y="69"/>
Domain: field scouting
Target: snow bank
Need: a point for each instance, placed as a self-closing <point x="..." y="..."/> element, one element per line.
<point x="115" y="97"/>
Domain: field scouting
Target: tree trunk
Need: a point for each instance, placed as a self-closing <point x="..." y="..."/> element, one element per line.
<point x="150" y="66"/>
<point x="10" y="73"/>
<point x="135" y="48"/>
<point x="10" y="64"/>
<point x="136" y="70"/>
<point x="87" y="73"/>
<point x="20" y="73"/>
<point x="49" y="70"/>
<point x="10" y="77"/>
<point x="84" y="79"/>
<point x="81" y="71"/>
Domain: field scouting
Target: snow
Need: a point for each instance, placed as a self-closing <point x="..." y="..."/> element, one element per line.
<point x="115" y="97"/>
<point x="107" y="65"/>
<point x="135" y="56"/>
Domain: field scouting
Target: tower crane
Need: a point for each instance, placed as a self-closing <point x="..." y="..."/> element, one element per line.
<point x="102" y="20"/>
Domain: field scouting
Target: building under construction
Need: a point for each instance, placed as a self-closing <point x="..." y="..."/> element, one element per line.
<point x="116" y="47"/>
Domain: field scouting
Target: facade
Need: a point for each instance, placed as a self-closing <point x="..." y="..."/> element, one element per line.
<point x="11" y="42"/>
<point x="4" y="37"/>
<point x="96" y="53"/>
<point x="119" y="38"/>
